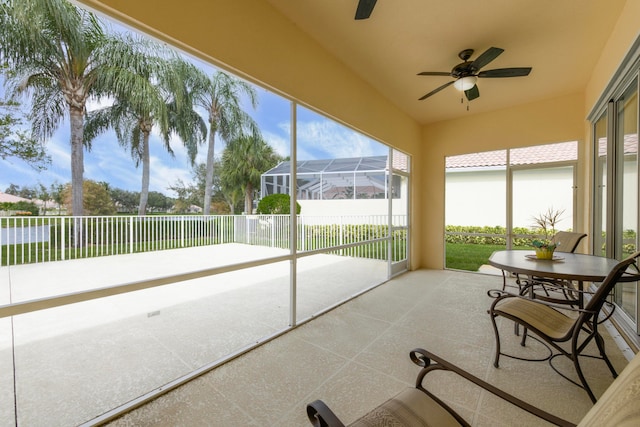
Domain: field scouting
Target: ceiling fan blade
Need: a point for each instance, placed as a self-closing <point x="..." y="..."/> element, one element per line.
<point x="472" y="93"/>
<point x="436" y="90"/>
<point x="486" y="57"/>
<point x="434" y="73"/>
<point x="506" y="72"/>
<point x="365" y="7"/>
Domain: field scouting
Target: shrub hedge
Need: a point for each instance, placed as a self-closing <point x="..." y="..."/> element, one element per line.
<point x="486" y="235"/>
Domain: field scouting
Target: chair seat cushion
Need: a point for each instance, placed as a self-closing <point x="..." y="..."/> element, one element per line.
<point x="409" y="408"/>
<point x="549" y="321"/>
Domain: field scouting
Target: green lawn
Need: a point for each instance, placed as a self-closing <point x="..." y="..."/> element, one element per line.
<point x="469" y="256"/>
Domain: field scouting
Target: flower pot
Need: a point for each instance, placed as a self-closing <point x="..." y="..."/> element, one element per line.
<point x="544" y="253"/>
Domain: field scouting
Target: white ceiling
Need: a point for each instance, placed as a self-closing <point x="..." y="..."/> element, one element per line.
<point x="560" y="39"/>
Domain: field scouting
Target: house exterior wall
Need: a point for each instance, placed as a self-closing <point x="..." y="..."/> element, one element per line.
<point x="352" y="207"/>
<point x="479" y="197"/>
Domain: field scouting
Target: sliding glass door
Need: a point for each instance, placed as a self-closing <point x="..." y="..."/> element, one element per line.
<point x="615" y="226"/>
<point x="626" y="219"/>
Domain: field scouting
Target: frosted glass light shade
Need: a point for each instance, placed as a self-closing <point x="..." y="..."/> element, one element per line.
<point x="465" y="83"/>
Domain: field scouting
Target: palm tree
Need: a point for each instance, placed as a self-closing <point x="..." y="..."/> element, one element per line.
<point x="148" y="92"/>
<point x="244" y="160"/>
<point x="55" y="52"/>
<point x="220" y="96"/>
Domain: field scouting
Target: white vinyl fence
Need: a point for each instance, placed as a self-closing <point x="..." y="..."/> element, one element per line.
<point x="43" y="239"/>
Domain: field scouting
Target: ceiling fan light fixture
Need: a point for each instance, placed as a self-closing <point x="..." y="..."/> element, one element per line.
<point x="465" y="83"/>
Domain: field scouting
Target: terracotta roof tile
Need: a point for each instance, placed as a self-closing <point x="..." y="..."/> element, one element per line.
<point x="548" y="153"/>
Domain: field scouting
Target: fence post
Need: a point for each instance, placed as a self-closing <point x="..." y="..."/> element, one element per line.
<point x="182" y="231"/>
<point x="273" y="230"/>
<point x="63" y="244"/>
<point x="222" y="221"/>
<point x="341" y="235"/>
<point x="302" y="236"/>
<point x="247" y="228"/>
<point x="131" y="235"/>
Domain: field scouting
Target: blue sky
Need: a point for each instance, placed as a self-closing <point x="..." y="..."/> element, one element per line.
<point x="318" y="138"/>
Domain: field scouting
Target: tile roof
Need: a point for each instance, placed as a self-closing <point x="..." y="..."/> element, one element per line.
<point x="549" y="153"/>
<point x="564" y="151"/>
<point x="10" y="198"/>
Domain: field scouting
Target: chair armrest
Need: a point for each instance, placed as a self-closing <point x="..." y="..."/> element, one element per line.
<point x="430" y="362"/>
<point x="321" y="416"/>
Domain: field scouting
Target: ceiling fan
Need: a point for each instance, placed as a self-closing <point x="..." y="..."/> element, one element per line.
<point x="468" y="72"/>
<point x="365" y="7"/>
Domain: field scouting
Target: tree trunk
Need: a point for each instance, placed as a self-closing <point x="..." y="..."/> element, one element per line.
<point x="144" y="192"/>
<point x="248" y="199"/>
<point x="208" y="180"/>
<point x="77" y="160"/>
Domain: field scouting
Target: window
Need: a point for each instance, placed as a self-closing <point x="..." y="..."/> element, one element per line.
<point x="492" y="197"/>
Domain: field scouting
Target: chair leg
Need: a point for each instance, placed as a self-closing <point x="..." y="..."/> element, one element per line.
<point x="524" y="337"/>
<point x="496" y="361"/>
<point x="600" y="343"/>
<point x="583" y="380"/>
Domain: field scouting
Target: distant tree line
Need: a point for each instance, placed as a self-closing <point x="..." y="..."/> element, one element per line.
<point x="99" y="199"/>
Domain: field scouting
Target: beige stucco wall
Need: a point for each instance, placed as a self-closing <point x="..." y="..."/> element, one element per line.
<point x="624" y="33"/>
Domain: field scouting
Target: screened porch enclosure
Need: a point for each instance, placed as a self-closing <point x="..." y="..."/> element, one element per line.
<point x="333" y="179"/>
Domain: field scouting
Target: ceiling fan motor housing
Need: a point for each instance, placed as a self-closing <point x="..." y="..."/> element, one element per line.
<point x="464" y="69"/>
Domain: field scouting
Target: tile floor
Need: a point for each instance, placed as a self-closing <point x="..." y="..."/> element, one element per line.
<point x="356" y="356"/>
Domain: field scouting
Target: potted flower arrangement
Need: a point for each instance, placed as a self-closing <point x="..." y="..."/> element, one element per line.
<point x="545" y="224"/>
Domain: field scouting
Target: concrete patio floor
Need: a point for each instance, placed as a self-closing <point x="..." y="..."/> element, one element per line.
<point x="354" y="357"/>
<point x="75" y="362"/>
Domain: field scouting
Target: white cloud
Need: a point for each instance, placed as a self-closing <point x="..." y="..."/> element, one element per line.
<point x="334" y="140"/>
<point x="163" y="176"/>
<point x="279" y="143"/>
<point x="19" y="172"/>
<point x="60" y="152"/>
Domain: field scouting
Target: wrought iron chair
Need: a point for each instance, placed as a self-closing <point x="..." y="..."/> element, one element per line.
<point x="567" y="241"/>
<point x="554" y="324"/>
<point x="563" y="291"/>
<point x="420" y="407"/>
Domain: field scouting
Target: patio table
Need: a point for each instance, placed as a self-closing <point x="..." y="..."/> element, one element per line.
<point x="565" y="266"/>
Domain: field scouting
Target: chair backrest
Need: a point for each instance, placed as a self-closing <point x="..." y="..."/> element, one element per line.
<point x="600" y="296"/>
<point x="567" y="240"/>
<point x="618" y="406"/>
